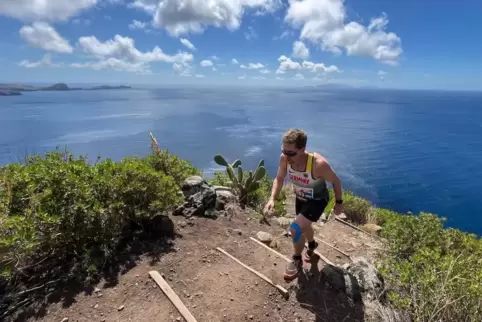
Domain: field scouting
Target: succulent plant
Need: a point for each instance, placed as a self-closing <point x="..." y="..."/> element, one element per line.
<point x="243" y="185"/>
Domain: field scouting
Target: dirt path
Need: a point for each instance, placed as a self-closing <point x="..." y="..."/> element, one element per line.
<point x="216" y="288"/>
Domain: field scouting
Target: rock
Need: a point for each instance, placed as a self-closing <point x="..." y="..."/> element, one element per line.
<point x="342" y="281"/>
<point x="356" y="279"/>
<point x="120" y="308"/>
<point x="283" y="222"/>
<point x="65" y="319"/>
<point x="369" y="278"/>
<point x="250" y="317"/>
<point x="342" y="216"/>
<point x="223" y="198"/>
<point x="200" y="198"/>
<point x="371" y="228"/>
<point x="264" y="237"/>
<point x="238" y="231"/>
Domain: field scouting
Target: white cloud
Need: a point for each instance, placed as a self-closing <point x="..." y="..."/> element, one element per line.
<point x="258" y="77"/>
<point x="250" y="34"/>
<point x="136" y="24"/>
<point x="299" y="77"/>
<point x="323" y="23"/>
<point x="183" y="69"/>
<point x="120" y="53"/>
<point x="381" y="74"/>
<point x="206" y="63"/>
<point x="180" y="17"/>
<point x="200" y="76"/>
<point x="234" y="61"/>
<point x="264" y="71"/>
<point x="279" y="78"/>
<point x="288" y="65"/>
<point x="187" y="43"/>
<point x="242" y="77"/>
<point x="252" y="66"/>
<point x="215" y="57"/>
<point x="46" y="61"/>
<point x="300" y="50"/>
<point x="115" y="64"/>
<point x="42" y="35"/>
<point x="215" y="69"/>
<point x="46" y="10"/>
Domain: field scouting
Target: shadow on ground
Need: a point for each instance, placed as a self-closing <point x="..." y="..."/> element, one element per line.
<point x="327" y="303"/>
<point x="54" y="282"/>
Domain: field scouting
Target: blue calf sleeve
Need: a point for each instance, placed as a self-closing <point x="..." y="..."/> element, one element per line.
<point x="294" y="226"/>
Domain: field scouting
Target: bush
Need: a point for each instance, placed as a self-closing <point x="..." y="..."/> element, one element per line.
<point x="63" y="218"/>
<point x="434" y="273"/>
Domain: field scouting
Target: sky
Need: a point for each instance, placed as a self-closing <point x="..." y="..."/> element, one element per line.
<point x="378" y="43"/>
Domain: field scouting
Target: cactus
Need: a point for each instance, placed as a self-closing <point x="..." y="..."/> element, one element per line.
<point x="244" y="185"/>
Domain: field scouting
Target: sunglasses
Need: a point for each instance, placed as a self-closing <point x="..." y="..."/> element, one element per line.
<point x="289" y="153"/>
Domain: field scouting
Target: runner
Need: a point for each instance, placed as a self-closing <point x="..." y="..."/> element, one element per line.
<point x="307" y="171"/>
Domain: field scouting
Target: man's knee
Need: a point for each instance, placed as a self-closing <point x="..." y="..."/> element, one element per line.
<point x="295" y="231"/>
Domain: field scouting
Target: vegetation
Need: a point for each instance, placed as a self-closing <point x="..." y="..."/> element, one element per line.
<point x="243" y="185"/>
<point x="253" y="190"/>
<point x="62" y="218"/>
<point x="433" y="273"/>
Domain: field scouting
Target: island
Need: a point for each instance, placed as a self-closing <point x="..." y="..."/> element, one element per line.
<point x="17" y="89"/>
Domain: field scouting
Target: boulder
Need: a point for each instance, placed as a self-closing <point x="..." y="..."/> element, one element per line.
<point x="359" y="279"/>
<point x="200" y="198"/>
<point x="223" y="198"/>
<point x="369" y="278"/>
<point x="371" y="228"/>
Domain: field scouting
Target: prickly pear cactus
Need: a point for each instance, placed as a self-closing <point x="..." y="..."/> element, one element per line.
<point x="244" y="185"/>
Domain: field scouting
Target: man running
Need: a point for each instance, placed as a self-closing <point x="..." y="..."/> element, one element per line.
<point x="307" y="171"/>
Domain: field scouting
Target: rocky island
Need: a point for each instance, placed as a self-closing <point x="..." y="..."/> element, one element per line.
<point x="17" y="89"/>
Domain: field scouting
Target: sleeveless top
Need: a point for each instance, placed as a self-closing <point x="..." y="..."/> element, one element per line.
<point x="305" y="186"/>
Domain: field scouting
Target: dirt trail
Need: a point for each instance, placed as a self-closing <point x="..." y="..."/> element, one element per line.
<point x="216" y="288"/>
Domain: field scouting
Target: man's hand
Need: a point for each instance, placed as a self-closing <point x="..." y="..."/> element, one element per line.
<point x="338" y="209"/>
<point x="269" y="207"/>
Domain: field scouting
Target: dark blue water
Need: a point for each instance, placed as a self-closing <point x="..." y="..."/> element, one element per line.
<point x="404" y="150"/>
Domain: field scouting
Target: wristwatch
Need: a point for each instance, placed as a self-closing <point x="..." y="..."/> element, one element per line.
<point x="339" y="201"/>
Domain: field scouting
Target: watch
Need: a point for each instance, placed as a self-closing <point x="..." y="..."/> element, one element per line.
<point x="339" y="201"/>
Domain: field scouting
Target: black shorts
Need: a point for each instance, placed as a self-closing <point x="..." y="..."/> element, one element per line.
<point x="311" y="209"/>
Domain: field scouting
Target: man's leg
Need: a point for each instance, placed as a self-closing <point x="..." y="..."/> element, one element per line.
<point x="297" y="231"/>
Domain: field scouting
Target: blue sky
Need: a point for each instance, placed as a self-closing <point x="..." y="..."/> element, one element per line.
<point x="400" y="44"/>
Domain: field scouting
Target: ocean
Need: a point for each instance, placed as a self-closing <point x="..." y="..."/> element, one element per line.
<point x="403" y="150"/>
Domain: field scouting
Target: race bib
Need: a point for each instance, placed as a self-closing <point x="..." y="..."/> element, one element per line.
<point x="302" y="192"/>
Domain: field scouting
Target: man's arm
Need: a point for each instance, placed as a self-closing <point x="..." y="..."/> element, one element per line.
<point x="323" y="169"/>
<point x="280" y="178"/>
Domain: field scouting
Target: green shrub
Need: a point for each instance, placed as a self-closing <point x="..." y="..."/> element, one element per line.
<point x="434" y="273"/>
<point x="62" y="205"/>
<point x="357" y="209"/>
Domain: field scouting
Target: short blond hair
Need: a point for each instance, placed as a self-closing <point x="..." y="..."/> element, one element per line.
<point x="296" y="137"/>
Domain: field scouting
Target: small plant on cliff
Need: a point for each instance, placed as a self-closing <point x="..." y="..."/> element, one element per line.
<point x="243" y="185"/>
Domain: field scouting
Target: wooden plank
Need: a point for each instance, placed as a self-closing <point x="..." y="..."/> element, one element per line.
<point x="172" y="296"/>
<point x="280" y="288"/>
<point x="335" y="248"/>
<point x="326" y="260"/>
<point x="270" y="249"/>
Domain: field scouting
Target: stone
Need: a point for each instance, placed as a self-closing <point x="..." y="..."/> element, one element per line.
<point x="264" y="237"/>
<point x="120" y="308"/>
<point x="369" y="278"/>
<point x="65" y="320"/>
<point x="223" y="198"/>
<point x="283" y="221"/>
<point x="200" y="198"/>
<point x="359" y="279"/>
<point x="371" y="228"/>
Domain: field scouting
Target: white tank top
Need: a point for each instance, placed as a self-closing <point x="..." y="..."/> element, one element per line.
<point x="305" y="186"/>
